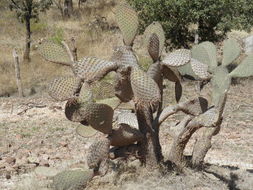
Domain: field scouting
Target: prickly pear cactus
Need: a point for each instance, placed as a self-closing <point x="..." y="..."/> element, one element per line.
<point x="157" y="29"/>
<point x="127" y="20"/>
<point x="153" y="47"/>
<point x="125" y="135"/>
<point x="64" y="88"/>
<point x="177" y="58"/>
<point x="72" y="180"/>
<point x="98" y="152"/>
<point x="91" y="69"/>
<point x="144" y="88"/>
<point x="54" y="52"/>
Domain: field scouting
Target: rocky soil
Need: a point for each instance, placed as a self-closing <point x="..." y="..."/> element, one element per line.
<point x="35" y="133"/>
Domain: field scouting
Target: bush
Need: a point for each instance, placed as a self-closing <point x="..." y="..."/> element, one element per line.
<point x="213" y="17"/>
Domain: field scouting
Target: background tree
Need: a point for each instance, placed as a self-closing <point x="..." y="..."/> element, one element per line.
<point x="27" y="10"/>
<point x="212" y="18"/>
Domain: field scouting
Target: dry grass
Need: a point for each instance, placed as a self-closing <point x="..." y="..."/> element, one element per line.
<point x="91" y="41"/>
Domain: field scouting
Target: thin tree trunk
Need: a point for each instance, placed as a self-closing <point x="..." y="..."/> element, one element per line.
<point x="17" y="71"/>
<point x="150" y="146"/>
<point x="68" y="8"/>
<point x="28" y="40"/>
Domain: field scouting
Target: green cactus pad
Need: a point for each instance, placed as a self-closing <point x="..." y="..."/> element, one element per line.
<point x="127" y="20"/>
<point x="112" y="102"/>
<point x="144" y="88"/>
<point x="85" y="94"/>
<point x="231" y="50"/>
<point x="63" y="88"/>
<point x="153" y="47"/>
<point x="72" y="180"/>
<point x="200" y="69"/>
<point x="245" y="69"/>
<point x="186" y="70"/>
<point x="54" y="52"/>
<point x="98" y="152"/>
<point x="125" y="135"/>
<point x="220" y="82"/>
<point x="177" y="58"/>
<point x="155" y="28"/>
<point x="124" y="56"/>
<point x="99" y="116"/>
<point x="102" y="90"/>
<point x="85" y="131"/>
<point x="91" y="69"/>
<point x="129" y="119"/>
<point x="206" y="53"/>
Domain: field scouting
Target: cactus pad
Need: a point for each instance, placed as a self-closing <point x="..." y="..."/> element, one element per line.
<point x="245" y="69"/>
<point x="127" y="20"/>
<point x="91" y="69"/>
<point x="220" y="82"/>
<point x="72" y="180"/>
<point x="144" y="88"/>
<point x="54" y="52"/>
<point x="124" y="56"/>
<point x="85" y="94"/>
<point x="171" y="73"/>
<point x="129" y="119"/>
<point x="112" y="102"/>
<point x="99" y="116"/>
<point x="186" y="71"/>
<point x="85" y="131"/>
<point x="194" y="107"/>
<point x="200" y="69"/>
<point x="206" y="53"/>
<point x="98" y="152"/>
<point x="123" y="89"/>
<point x="125" y="135"/>
<point x="178" y="91"/>
<point x="209" y="118"/>
<point x="154" y="72"/>
<point x="72" y="110"/>
<point x="63" y="88"/>
<point x="231" y="50"/>
<point x="177" y="58"/>
<point x="102" y="90"/>
<point x="155" y="28"/>
<point x="153" y="47"/>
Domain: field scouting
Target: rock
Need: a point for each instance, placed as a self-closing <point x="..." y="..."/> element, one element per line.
<point x="10" y="160"/>
<point x="8" y="176"/>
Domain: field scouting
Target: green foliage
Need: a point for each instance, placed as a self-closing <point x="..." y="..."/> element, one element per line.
<point x="28" y="9"/>
<point x="213" y="17"/>
<point x="58" y="36"/>
<point x="38" y="26"/>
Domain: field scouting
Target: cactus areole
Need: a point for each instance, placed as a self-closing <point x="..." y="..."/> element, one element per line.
<point x="139" y="131"/>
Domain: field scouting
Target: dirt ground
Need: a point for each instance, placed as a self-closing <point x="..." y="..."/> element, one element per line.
<point x="34" y="132"/>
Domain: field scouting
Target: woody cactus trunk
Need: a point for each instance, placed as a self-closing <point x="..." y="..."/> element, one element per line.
<point x="138" y="133"/>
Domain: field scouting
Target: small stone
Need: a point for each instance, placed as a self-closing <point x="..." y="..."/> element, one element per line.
<point x="8" y="176"/>
<point x="10" y="160"/>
